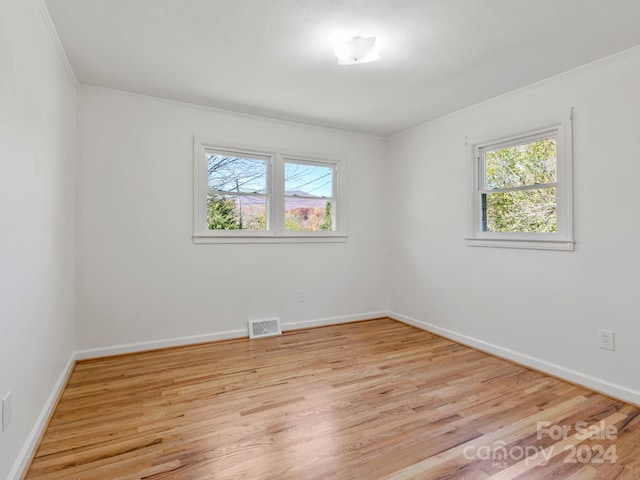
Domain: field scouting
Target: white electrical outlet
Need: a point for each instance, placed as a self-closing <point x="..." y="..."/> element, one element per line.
<point x="607" y="339"/>
<point x="6" y="411"/>
<point x="302" y="295"/>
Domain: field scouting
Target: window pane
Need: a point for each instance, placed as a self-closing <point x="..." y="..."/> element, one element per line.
<point x="236" y="212"/>
<point x="520" y="211"/>
<point x="309" y="214"/>
<point x="237" y="174"/>
<point x="521" y="165"/>
<point x="305" y="180"/>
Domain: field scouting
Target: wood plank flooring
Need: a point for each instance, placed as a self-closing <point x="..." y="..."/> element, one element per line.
<point x="368" y="400"/>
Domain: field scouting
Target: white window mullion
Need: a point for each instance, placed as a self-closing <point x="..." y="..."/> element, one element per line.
<point x="236" y="194"/>
<point x="277" y="183"/>
<point x="535" y="186"/>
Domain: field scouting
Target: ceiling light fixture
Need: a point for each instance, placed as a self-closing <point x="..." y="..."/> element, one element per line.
<point x="356" y="50"/>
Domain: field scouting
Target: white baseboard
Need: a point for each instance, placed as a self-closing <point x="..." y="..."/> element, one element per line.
<point x="212" y="337"/>
<point x="156" y="344"/>
<point x="323" y="322"/>
<point x="592" y="383"/>
<point x="30" y="445"/>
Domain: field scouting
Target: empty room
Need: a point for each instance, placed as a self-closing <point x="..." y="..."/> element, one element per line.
<point x="305" y="239"/>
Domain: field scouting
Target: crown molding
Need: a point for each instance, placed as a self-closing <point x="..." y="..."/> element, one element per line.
<point x="44" y="12"/>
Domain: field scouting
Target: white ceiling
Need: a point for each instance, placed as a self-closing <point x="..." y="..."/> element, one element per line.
<point x="274" y="57"/>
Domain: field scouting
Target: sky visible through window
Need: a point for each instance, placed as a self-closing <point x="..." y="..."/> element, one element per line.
<point x="236" y="174"/>
<point x="308" y="179"/>
<point x="247" y="175"/>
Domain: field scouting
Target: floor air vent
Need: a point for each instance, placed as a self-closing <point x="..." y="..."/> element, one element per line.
<point x="264" y="328"/>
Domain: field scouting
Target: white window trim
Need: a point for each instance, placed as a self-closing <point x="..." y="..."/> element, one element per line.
<point x="275" y="198"/>
<point x="562" y="239"/>
<point x="336" y="196"/>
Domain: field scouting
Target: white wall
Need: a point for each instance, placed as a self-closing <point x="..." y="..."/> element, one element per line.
<point x="37" y="217"/>
<point x="140" y="276"/>
<point x="539" y="307"/>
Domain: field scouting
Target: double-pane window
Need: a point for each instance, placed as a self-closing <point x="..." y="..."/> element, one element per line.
<point x="518" y="191"/>
<point x="241" y="195"/>
<point x="522" y="195"/>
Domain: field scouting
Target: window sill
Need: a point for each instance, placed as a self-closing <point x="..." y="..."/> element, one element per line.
<point x="562" y="245"/>
<point x="270" y="238"/>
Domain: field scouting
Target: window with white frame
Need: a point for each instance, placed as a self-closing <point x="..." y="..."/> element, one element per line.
<point x="238" y="191"/>
<point x="523" y="190"/>
<point x="309" y="196"/>
<point x="259" y="195"/>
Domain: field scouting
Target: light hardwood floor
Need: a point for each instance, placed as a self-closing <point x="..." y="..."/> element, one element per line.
<point x="368" y="400"/>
